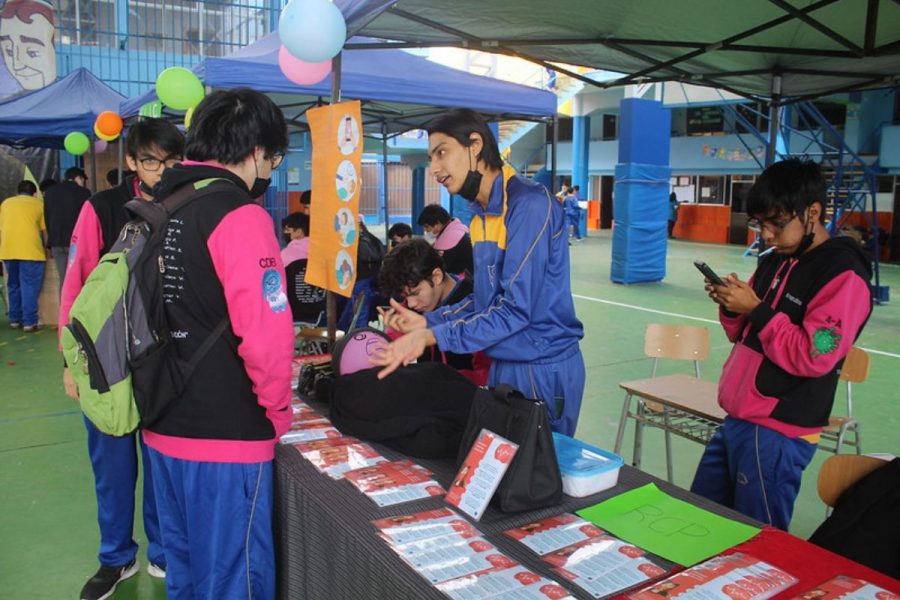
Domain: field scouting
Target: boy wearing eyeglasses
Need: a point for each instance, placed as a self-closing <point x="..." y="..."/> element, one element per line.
<point x="792" y="325"/>
<point x="151" y="146"/>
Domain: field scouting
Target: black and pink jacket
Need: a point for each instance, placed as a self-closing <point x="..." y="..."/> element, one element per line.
<point x="784" y="367"/>
<point x="222" y="259"/>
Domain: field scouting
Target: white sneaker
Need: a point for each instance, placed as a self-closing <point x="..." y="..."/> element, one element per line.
<point x="156" y="571"/>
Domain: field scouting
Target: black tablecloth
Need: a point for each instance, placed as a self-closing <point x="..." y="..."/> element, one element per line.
<point x="327" y="547"/>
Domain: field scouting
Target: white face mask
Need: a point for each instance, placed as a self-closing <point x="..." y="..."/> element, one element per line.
<point x="430" y="238"/>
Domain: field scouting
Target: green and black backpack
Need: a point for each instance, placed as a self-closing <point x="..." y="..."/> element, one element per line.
<point x="117" y="344"/>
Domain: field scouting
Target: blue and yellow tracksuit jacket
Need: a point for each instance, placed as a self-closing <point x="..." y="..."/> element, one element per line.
<point x="521" y="309"/>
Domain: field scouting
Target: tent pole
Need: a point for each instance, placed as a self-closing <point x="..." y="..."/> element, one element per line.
<point x="330" y="297"/>
<point x="120" y="150"/>
<point x="774" y="115"/>
<point x="93" y="169"/>
<point x="554" y="125"/>
<point x="384" y="167"/>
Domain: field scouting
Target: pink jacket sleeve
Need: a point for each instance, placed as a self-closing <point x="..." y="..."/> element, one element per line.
<point x="84" y="254"/>
<point x="833" y="320"/>
<point x="247" y="260"/>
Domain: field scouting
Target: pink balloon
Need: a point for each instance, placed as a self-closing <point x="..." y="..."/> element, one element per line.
<point x="100" y="146"/>
<point x="300" y="72"/>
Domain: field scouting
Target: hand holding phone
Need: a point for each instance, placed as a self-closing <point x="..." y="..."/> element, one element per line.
<point x="709" y="273"/>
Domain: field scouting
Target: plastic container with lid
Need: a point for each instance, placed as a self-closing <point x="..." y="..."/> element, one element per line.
<point x="585" y="469"/>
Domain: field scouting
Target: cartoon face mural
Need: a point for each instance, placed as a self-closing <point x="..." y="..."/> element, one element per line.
<point x="26" y="40"/>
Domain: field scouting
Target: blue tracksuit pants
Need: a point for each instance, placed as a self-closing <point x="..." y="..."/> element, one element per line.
<point x="115" y="464"/>
<point x="558" y="381"/>
<point x="754" y="470"/>
<point x="216" y="528"/>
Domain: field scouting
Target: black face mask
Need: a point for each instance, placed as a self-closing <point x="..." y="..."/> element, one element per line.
<point x="286" y="237"/>
<point x="471" y="186"/>
<point x="146" y="188"/>
<point x="805" y="243"/>
<point x="259" y="187"/>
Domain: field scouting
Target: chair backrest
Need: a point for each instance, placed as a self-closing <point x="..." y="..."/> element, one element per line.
<point x="856" y="366"/>
<point x="680" y="342"/>
<point x="841" y="471"/>
<point x="307" y="301"/>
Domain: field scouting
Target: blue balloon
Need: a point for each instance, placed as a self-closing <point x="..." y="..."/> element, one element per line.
<point x="312" y="30"/>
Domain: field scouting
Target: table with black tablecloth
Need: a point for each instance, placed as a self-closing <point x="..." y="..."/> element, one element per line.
<point x="328" y="549"/>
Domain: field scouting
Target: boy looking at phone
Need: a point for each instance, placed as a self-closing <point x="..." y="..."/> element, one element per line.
<point x="792" y="324"/>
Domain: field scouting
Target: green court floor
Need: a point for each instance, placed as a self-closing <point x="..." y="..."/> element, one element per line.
<point x="48" y="530"/>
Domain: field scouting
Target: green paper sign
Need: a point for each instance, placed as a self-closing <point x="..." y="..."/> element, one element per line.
<point x="666" y="526"/>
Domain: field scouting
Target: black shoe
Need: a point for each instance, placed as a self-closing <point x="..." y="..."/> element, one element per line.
<point x="104" y="582"/>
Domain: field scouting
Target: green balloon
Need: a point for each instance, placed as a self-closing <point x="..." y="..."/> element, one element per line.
<point x="179" y="88"/>
<point x="77" y="143"/>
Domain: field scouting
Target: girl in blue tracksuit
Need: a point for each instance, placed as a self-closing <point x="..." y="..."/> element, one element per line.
<point x="521" y="313"/>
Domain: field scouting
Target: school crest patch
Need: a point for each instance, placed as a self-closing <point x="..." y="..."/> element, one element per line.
<point x="825" y="340"/>
<point x="272" y="292"/>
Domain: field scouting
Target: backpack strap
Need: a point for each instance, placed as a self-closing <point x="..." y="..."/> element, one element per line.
<point x="207" y="345"/>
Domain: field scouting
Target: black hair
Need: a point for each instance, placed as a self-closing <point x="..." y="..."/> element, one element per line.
<point x="228" y="126"/>
<point x="112" y="176"/>
<point x="147" y="133"/>
<point x="73" y="172"/>
<point x="48" y="183"/>
<point x="400" y="230"/>
<point x="26" y="187"/>
<point x="459" y="124"/>
<point x="296" y="220"/>
<point x="408" y="264"/>
<point x="788" y="187"/>
<point x="433" y="214"/>
<point x="576" y="187"/>
<point x="306" y="197"/>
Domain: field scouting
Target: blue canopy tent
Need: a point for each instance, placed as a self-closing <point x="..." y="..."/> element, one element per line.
<point x="398" y="90"/>
<point x="44" y="117"/>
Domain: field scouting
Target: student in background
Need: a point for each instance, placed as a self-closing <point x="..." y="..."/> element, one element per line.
<point x="295" y="234"/>
<point x="451" y="238"/>
<point x="414" y="273"/>
<point x="62" y="205"/>
<point x="399" y="232"/>
<point x="23" y="237"/>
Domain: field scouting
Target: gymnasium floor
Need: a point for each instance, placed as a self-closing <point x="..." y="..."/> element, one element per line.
<point x="48" y="530"/>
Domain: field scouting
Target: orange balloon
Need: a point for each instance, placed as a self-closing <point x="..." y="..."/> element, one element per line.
<point x="105" y="138"/>
<point x="109" y="123"/>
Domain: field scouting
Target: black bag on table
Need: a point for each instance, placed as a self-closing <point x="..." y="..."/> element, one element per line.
<point x="532" y="480"/>
<point x="420" y="410"/>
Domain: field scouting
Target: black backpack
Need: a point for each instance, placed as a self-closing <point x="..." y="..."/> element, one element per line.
<point x="159" y="375"/>
<point x="420" y="410"/>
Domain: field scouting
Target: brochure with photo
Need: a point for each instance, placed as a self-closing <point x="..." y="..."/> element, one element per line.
<point x="481" y="472"/>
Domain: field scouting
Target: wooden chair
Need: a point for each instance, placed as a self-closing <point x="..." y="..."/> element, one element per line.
<point x="855" y="370"/>
<point x="841" y="471"/>
<point x="679" y="404"/>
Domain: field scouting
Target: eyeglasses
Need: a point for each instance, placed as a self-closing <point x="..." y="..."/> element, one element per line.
<point x="277" y="158"/>
<point x="152" y="163"/>
<point x="757" y="225"/>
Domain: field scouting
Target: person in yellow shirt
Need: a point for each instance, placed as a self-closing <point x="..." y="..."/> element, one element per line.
<point x="23" y="239"/>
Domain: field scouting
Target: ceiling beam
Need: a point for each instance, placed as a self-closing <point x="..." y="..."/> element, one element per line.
<point x="827" y="31"/>
<point x="729" y="40"/>
<point x="871" y="26"/>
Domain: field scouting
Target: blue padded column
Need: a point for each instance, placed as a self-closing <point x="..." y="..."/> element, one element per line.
<point x="581" y="141"/>
<point x="641" y="206"/>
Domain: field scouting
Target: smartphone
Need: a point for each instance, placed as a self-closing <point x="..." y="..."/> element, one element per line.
<point x="709" y="273"/>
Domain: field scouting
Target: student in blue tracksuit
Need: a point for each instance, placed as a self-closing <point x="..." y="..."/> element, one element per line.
<point x="521" y="312"/>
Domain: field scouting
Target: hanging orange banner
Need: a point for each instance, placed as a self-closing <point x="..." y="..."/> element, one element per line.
<point x="336" y="183"/>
